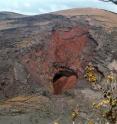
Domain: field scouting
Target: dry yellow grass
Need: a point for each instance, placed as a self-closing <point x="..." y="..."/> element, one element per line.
<point x="23" y="102"/>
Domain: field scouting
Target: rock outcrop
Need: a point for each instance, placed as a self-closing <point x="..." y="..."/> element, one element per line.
<point x="30" y="47"/>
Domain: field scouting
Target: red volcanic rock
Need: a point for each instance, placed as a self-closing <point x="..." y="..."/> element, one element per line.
<point x="65" y="48"/>
<point x="68" y="45"/>
<point x="58" y="85"/>
<point x="64" y="83"/>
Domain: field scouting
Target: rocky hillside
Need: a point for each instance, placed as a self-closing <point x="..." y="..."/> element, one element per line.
<point x="30" y="47"/>
<point x="9" y="15"/>
<point x="42" y="52"/>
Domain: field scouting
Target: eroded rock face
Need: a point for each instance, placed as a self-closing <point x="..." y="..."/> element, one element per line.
<point x="38" y="43"/>
<point x="64" y="83"/>
<point x="19" y="73"/>
<point x="64" y="49"/>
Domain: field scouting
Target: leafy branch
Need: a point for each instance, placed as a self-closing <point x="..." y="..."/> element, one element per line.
<point x="113" y="1"/>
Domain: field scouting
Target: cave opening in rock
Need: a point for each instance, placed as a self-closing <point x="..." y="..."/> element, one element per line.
<point x="63" y="80"/>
